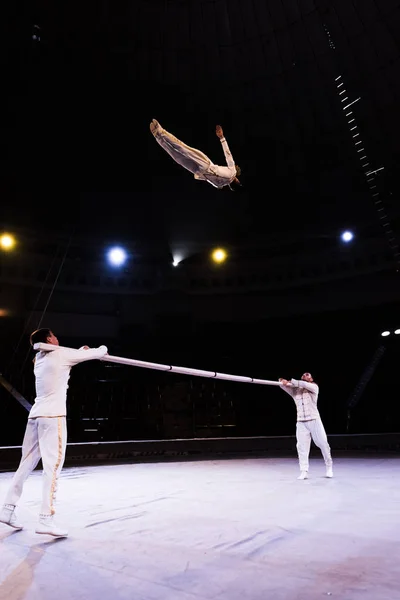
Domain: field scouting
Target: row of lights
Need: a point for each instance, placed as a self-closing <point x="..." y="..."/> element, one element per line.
<point x="117" y="256"/>
<point x="387" y="333"/>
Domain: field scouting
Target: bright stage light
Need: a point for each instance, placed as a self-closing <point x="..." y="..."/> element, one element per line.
<point x="7" y="241"/>
<point x="385" y="333"/>
<point x="176" y="261"/>
<point x="397" y="332"/>
<point x="219" y="255"/>
<point x="116" y="256"/>
<point x="347" y="236"/>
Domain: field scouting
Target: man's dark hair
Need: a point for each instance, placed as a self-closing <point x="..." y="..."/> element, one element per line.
<point x="40" y="336"/>
<point x="233" y="186"/>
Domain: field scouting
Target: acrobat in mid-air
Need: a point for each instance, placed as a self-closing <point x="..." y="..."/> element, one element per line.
<point x="195" y="161"/>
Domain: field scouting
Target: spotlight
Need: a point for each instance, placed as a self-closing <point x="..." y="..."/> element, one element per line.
<point x="7" y="241"/>
<point x="219" y="255"/>
<point x="176" y="261"/>
<point x="385" y="333"/>
<point x="116" y="256"/>
<point x="397" y="332"/>
<point x="347" y="236"/>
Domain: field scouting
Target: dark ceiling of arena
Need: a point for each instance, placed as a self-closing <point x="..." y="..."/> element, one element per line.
<point x="84" y="80"/>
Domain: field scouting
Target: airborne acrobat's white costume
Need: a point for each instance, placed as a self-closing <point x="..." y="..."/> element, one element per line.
<point x="195" y="161"/>
<point x="46" y="431"/>
<point x="309" y="425"/>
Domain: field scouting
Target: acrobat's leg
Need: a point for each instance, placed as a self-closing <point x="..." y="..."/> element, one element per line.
<point x="303" y="437"/>
<point x="320" y="439"/>
<point x="190" y="158"/>
<point x="53" y="443"/>
<point x="29" y="461"/>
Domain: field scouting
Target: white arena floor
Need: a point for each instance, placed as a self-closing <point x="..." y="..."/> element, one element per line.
<point x="231" y="529"/>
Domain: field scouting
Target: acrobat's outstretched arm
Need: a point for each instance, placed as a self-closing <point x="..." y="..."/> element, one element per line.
<point x="311" y="387"/>
<point x="286" y="386"/>
<point x="228" y="155"/>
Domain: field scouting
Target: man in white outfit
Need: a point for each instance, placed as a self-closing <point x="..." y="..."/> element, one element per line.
<point x="309" y="425"/>
<point x="195" y="161"/>
<point x="46" y="431"/>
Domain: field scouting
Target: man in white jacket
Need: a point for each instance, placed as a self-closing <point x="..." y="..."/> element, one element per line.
<point x="46" y="431"/>
<point x="195" y="161"/>
<point x="309" y="425"/>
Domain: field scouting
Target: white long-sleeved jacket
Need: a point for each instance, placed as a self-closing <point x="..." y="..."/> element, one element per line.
<point x="52" y="371"/>
<point x="305" y="396"/>
<point x="218" y="176"/>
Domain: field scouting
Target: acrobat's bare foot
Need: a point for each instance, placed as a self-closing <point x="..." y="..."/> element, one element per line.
<point x="155" y="127"/>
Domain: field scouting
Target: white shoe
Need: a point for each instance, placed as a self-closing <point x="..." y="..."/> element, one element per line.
<point x="8" y="517"/>
<point x="329" y="472"/>
<point x="47" y="526"/>
<point x="303" y="475"/>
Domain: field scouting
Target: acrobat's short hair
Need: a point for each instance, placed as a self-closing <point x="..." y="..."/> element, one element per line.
<point x="40" y="336"/>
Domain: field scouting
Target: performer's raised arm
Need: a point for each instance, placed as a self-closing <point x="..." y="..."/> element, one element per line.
<point x="228" y="154"/>
<point x="73" y="357"/>
<point x="307" y="385"/>
<point x="286" y="386"/>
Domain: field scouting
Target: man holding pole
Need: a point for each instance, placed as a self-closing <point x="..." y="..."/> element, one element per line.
<point x="309" y="425"/>
<point x="46" y="431"/>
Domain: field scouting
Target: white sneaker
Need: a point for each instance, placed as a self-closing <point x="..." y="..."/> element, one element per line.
<point x="303" y="475"/>
<point x="8" y="517"/>
<point x="329" y="472"/>
<point x="47" y="526"/>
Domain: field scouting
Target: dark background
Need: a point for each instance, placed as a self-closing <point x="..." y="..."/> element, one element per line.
<point x="80" y="170"/>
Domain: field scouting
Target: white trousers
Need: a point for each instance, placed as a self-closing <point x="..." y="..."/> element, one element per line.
<point x="191" y="159"/>
<point x="307" y="431"/>
<point x="45" y="438"/>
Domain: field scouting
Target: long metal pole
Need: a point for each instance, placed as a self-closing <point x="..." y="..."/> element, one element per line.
<point x="168" y="368"/>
